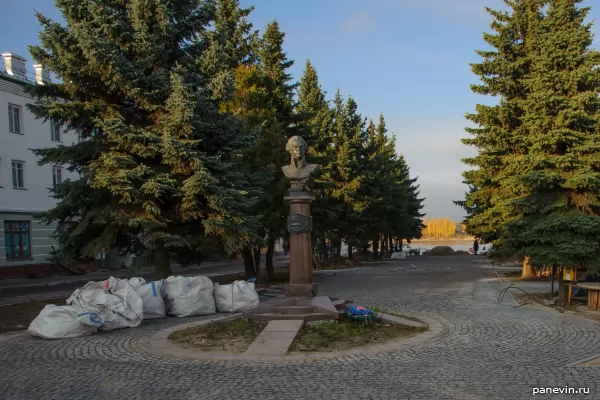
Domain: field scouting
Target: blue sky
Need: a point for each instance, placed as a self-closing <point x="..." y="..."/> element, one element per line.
<point x="406" y="59"/>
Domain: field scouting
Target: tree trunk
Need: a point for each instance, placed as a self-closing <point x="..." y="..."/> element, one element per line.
<point x="349" y="251"/>
<point x="269" y="258"/>
<point x="322" y="246"/>
<point x="162" y="262"/>
<point x="259" y="277"/>
<point x="376" y="247"/>
<point x="390" y="243"/>
<point x="384" y="246"/>
<point x="562" y="289"/>
<point x="249" y="270"/>
<point x="528" y="271"/>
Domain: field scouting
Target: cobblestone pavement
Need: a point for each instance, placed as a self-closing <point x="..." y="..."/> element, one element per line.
<point x="485" y="351"/>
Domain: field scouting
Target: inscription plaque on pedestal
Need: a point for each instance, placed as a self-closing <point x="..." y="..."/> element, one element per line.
<point x="298" y="223"/>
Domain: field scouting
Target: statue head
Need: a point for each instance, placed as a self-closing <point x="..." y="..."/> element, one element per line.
<point x="297" y="148"/>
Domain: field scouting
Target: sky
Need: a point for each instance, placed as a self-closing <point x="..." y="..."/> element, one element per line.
<point x="406" y="59"/>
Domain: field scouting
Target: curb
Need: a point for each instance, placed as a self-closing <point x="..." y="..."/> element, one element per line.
<point x="159" y="344"/>
<point x="16" y="300"/>
<point x="579" y="363"/>
<point x="333" y="271"/>
<point x="87" y="277"/>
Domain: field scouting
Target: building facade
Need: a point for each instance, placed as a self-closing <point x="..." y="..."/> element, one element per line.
<point x="25" y="243"/>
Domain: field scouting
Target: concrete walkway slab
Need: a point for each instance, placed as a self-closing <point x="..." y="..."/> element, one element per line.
<point x="402" y="321"/>
<point x="276" y="338"/>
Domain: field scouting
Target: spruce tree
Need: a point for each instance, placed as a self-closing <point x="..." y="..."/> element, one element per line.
<point x="317" y="129"/>
<point x="348" y="142"/>
<point x="408" y="219"/>
<point x="276" y="64"/>
<point x="229" y="44"/>
<point x="558" y="179"/>
<point x="382" y="193"/>
<point x="273" y="62"/>
<point x="158" y="161"/>
<point x="499" y="132"/>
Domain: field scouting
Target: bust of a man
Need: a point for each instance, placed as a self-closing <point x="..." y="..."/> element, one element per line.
<point x="298" y="171"/>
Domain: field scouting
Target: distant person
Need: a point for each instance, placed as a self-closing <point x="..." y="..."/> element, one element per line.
<point x="475" y="247"/>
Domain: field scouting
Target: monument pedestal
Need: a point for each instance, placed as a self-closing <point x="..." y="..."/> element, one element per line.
<point x="299" y="226"/>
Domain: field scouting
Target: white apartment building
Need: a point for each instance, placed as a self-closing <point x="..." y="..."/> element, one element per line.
<point x="25" y="243"/>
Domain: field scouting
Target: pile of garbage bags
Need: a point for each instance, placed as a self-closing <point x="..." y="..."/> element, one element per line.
<point x="124" y="303"/>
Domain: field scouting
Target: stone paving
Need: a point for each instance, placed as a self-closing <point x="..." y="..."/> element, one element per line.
<point x="485" y="351"/>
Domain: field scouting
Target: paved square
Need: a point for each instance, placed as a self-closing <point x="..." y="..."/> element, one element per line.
<point x="486" y="351"/>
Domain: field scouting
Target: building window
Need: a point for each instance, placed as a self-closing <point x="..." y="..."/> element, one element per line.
<point x="18" y="174"/>
<point x="17" y="240"/>
<point x="55" y="132"/>
<point x="56" y="175"/>
<point x="14" y="118"/>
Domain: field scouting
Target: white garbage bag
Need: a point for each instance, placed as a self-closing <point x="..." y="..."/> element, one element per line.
<point x="136" y="282"/>
<point x="152" y="295"/>
<point x="114" y="300"/>
<point x="190" y="295"/>
<point x="398" y="255"/>
<point x="61" y="322"/>
<point x="236" y="297"/>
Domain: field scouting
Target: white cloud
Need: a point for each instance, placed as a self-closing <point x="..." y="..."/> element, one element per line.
<point x="357" y="22"/>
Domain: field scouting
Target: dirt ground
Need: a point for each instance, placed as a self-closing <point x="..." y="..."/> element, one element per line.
<point x="231" y="336"/>
<point x="18" y="317"/>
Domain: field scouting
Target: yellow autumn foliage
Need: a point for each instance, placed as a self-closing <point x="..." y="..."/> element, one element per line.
<point x="439" y="228"/>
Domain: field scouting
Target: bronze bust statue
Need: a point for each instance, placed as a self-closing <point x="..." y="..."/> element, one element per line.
<point x="298" y="172"/>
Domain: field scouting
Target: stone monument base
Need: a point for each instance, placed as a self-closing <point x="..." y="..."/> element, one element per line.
<point x="320" y="308"/>
<point x="300" y="289"/>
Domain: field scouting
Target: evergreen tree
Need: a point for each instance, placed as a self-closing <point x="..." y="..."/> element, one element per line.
<point x="381" y="191"/>
<point x="558" y="180"/>
<point x="501" y="73"/>
<point x="230" y="44"/>
<point x="409" y="220"/>
<point x="317" y="115"/>
<point x="276" y="64"/>
<point x="499" y="131"/>
<point x="158" y="162"/>
<point x="317" y="129"/>
<point x="345" y="168"/>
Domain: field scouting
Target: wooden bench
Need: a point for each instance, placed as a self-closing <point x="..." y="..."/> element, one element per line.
<point x="593" y="290"/>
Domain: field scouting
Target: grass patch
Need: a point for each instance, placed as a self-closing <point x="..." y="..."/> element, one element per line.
<point x="17" y="317"/>
<point x="346" y="333"/>
<point x="231" y="336"/>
